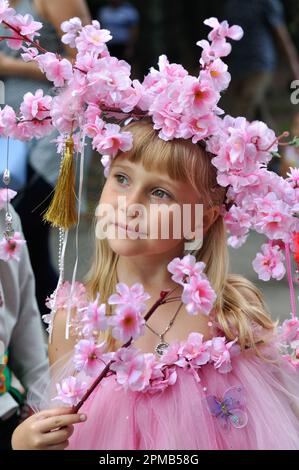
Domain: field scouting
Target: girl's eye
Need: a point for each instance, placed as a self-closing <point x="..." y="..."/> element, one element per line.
<point x="121" y="178"/>
<point x="161" y="194"/>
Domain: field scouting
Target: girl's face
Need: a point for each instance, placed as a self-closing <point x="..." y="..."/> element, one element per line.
<point x="143" y="211"/>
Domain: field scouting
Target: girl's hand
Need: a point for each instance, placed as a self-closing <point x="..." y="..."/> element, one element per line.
<point x="47" y="430"/>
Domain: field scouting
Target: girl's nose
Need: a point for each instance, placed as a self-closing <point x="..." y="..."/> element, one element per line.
<point x="134" y="198"/>
<point x="132" y="204"/>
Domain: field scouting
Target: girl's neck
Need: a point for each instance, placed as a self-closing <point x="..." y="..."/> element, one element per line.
<point x="151" y="271"/>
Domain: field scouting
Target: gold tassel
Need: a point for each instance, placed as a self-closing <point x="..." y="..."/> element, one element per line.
<point x="62" y="211"/>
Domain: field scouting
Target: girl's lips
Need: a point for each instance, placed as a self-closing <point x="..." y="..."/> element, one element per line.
<point x="125" y="227"/>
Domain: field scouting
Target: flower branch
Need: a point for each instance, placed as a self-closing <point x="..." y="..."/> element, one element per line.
<point x="160" y="301"/>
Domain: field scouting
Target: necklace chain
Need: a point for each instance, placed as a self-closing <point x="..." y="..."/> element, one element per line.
<point x="161" y="336"/>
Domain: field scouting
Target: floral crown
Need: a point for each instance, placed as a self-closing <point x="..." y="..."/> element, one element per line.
<point x="98" y="87"/>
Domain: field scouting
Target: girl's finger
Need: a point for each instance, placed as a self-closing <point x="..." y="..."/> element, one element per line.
<point x="56" y="422"/>
<point x="52" y="412"/>
<point x="57" y="437"/>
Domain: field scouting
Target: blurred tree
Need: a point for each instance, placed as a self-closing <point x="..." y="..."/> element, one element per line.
<point x="169" y="27"/>
<point x="173" y="27"/>
<point x="292" y="19"/>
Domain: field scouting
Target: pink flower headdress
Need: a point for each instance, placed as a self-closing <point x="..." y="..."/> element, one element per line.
<point x="98" y="87"/>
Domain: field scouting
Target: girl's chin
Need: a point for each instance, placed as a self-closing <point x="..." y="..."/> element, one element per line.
<point x="138" y="247"/>
<point x="128" y="247"/>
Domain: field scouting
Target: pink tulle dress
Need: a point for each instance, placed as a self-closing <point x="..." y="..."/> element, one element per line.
<point x="262" y="398"/>
<point x="231" y="401"/>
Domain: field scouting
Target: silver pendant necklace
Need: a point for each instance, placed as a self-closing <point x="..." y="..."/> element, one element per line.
<point x="162" y="346"/>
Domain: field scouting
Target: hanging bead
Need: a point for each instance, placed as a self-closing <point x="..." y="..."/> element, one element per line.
<point x="9" y="231"/>
<point x="161" y="348"/>
<point x="6" y="177"/>
<point x="60" y="263"/>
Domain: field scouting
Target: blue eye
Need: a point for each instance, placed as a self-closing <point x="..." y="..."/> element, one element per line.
<point x="119" y="177"/>
<point x="162" y="194"/>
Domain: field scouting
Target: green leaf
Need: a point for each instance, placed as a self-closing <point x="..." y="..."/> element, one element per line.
<point x="294" y="141"/>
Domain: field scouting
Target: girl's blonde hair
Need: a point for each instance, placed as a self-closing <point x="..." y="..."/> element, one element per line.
<point x="239" y="307"/>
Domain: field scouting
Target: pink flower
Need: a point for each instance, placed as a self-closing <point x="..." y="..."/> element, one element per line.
<point x="166" y="111"/>
<point x="94" y="318"/>
<point x="133" y="295"/>
<point x="264" y="140"/>
<point x="70" y="391"/>
<point x="11" y="248"/>
<point x="133" y="370"/>
<point x="56" y="70"/>
<point x="292" y="360"/>
<point x="36" y="106"/>
<point x="293" y="180"/>
<point x="293" y="176"/>
<point x="221" y="353"/>
<point x="171" y="72"/>
<point x="274" y="217"/>
<point x="86" y="62"/>
<point x="290" y="330"/>
<point x="237" y="221"/>
<point x="197" y="127"/>
<point x="127" y="323"/>
<point x="198" y="296"/>
<point x="89" y="357"/>
<point x="8" y="121"/>
<point x="32" y="129"/>
<point x="198" y="95"/>
<point x="216" y="72"/>
<point x="186" y="266"/>
<point x="237" y="242"/>
<point x="194" y="351"/>
<point x="109" y="82"/>
<point x="92" y="38"/>
<point x="78" y="299"/>
<point x="223" y="30"/>
<point x="113" y="140"/>
<point x="26" y="26"/>
<point x="211" y="52"/>
<point x="29" y="54"/>
<point x="5" y="11"/>
<point x="72" y="28"/>
<point x="241" y="146"/>
<point x="6" y="195"/>
<point x="65" y="110"/>
<point x="94" y="124"/>
<point x="161" y="378"/>
<point x="171" y="355"/>
<point x="270" y="263"/>
<point x="106" y="161"/>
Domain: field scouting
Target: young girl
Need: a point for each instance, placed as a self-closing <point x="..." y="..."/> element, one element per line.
<point x="250" y="401"/>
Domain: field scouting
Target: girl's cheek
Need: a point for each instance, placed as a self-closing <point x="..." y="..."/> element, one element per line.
<point x="163" y="222"/>
<point x="108" y="194"/>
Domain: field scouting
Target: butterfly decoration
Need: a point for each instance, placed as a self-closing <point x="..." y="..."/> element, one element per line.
<point x="230" y="410"/>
